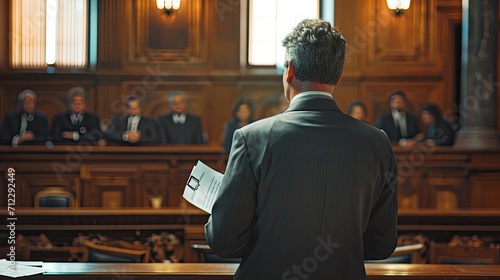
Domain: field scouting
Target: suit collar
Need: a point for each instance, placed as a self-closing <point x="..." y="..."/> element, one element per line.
<point x="314" y="103"/>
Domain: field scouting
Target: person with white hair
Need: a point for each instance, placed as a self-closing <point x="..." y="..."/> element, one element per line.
<point x="180" y="126"/>
<point x="76" y="125"/>
<point x="26" y="125"/>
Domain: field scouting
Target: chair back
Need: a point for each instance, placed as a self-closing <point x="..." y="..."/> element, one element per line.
<point x="108" y="254"/>
<point x="442" y="253"/>
<point x="55" y="197"/>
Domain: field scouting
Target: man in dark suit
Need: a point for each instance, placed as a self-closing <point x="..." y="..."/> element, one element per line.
<point x="310" y="193"/>
<point x="179" y="126"/>
<point x="400" y="124"/>
<point x="26" y="126"/>
<point x="132" y="127"/>
<point x="76" y="124"/>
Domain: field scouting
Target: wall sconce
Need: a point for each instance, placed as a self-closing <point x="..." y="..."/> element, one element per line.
<point x="168" y="6"/>
<point x="398" y="6"/>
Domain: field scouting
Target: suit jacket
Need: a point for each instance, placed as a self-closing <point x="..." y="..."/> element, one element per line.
<point x="443" y="135"/>
<point x="191" y="132"/>
<point x="148" y="128"/>
<point x="11" y="126"/>
<point x="386" y="123"/>
<point x="89" y="129"/>
<point x="311" y="188"/>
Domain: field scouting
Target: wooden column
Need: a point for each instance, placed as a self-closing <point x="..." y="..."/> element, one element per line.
<point x="479" y="87"/>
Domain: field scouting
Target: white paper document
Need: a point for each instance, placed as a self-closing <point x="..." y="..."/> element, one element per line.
<point x="8" y="268"/>
<point x="202" y="186"/>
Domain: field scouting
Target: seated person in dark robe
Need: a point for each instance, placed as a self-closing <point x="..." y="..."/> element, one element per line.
<point x="400" y="124"/>
<point x="132" y="127"/>
<point x="25" y="126"/>
<point x="242" y="115"/>
<point x="76" y="124"/>
<point x="437" y="130"/>
<point x="357" y="110"/>
<point x="179" y="126"/>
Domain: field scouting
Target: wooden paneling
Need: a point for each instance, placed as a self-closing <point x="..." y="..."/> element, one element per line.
<point x="111" y="186"/>
<point x="401" y="44"/>
<point x="178" y="37"/>
<point x="143" y="52"/>
<point x="112" y="18"/>
<point x="114" y="176"/>
<point x="120" y="176"/>
<point x="482" y="187"/>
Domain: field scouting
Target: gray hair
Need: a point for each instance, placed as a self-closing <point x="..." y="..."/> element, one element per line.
<point x="75" y="91"/>
<point x="24" y="93"/>
<point x="173" y="94"/>
<point x="316" y="50"/>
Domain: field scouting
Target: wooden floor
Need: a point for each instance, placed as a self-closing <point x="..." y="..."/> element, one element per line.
<point x="76" y="271"/>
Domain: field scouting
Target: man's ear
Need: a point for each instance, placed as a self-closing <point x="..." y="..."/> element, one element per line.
<point x="290" y="73"/>
<point x="338" y="82"/>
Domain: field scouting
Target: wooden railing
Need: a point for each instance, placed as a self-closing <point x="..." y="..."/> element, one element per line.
<point x="80" y="271"/>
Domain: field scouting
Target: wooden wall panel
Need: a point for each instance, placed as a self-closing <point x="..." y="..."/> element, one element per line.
<point x="179" y="37"/>
<point x="404" y="40"/>
<point x="111" y="185"/>
<point x="485" y="190"/>
<point x="112" y="18"/>
<point x="414" y="52"/>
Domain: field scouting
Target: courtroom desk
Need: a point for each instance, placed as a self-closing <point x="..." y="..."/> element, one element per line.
<point x="62" y="225"/>
<point x="108" y="176"/>
<point x="77" y="271"/>
<point x="448" y="178"/>
<point x="441" y="226"/>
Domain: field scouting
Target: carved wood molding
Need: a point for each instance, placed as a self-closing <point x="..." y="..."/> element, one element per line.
<point x="189" y="25"/>
<point x="399" y="45"/>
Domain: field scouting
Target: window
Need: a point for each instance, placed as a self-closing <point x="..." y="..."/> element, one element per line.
<point x="269" y="22"/>
<point x="49" y="33"/>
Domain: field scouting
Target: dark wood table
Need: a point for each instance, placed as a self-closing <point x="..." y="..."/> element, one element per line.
<point x="198" y="271"/>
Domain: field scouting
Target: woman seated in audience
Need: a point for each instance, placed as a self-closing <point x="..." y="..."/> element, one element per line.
<point x="357" y="110"/>
<point x="437" y="130"/>
<point x="242" y="115"/>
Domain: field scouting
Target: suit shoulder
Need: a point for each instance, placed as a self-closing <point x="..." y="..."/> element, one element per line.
<point x="260" y="125"/>
<point x="12" y="113"/>
<point x="40" y="114"/>
<point x="193" y="116"/>
<point x="165" y="116"/>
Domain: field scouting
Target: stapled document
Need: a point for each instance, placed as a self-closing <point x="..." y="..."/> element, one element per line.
<point x="202" y="186"/>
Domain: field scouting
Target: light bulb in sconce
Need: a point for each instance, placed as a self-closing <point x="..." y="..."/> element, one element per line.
<point x="168" y="6"/>
<point x="398" y="6"/>
<point x="176" y="4"/>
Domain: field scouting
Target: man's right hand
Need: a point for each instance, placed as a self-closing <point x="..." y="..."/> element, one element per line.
<point x="67" y="134"/>
<point x="134" y="136"/>
<point x="27" y="136"/>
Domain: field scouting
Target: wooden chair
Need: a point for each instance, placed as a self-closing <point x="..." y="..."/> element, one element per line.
<point x="55" y="197"/>
<point x="403" y="254"/>
<point x="108" y="254"/>
<point x="441" y="253"/>
<point x="206" y="255"/>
